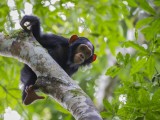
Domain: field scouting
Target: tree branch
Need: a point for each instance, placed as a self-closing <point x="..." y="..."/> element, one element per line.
<point x="51" y="79"/>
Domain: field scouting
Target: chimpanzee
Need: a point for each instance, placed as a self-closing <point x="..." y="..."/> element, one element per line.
<point x="70" y="54"/>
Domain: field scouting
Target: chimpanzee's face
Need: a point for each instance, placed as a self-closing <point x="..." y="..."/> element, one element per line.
<point x="82" y="53"/>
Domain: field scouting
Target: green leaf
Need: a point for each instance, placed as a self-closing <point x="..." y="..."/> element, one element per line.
<point x="106" y="114"/>
<point x="113" y="71"/>
<point x="136" y="34"/>
<point x="132" y="3"/>
<point x="149" y="34"/>
<point x="61" y="109"/>
<point x="152" y="116"/>
<point x="145" y="5"/>
<point x="126" y="59"/>
<point x="144" y="22"/>
<point x="68" y="117"/>
<point x="144" y="98"/>
<point x="123" y="60"/>
<point x="120" y="58"/>
<point x="135" y="46"/>
<point x="157" y="2"/>
<point x="107" y="105"/>
<point x="138" y="65"/>
<point x="151" y="30"/>
<point x="156" y="96"/>
<point x="150" y="67"/>
<point x="156" y="100"/>
<point x="155" y="25"/>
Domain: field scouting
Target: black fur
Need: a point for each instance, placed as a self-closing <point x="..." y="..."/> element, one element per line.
<point x="58" y="47"/>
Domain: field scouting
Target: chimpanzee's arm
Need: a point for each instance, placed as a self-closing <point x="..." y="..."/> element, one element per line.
<point x="45" y="40"/>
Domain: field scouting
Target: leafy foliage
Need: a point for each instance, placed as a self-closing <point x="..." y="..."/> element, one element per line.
<point x="107" y="23"/>
<point x="141" y="82"/>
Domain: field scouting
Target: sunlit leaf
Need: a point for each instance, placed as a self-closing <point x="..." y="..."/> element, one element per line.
<point x="150" y="67"/>
<point x="113" y="71"/>
<point x="144" y="97"/>
<point x="144" y="21"/>
<point x="156" y="96"/>
<point x="132" y="3"/>
<point x="136" y="34"/>
<point x="106" y="114"/>
<point x="135" y="46"/>
<point x="120" y="58"/>
<point x="145" y="5"/>
<point x="149" y="34"/>
<point x="138" y="65"/>
<point x="126" y="59"/>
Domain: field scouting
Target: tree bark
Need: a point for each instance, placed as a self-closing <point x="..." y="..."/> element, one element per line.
<point x="52" y="79"/>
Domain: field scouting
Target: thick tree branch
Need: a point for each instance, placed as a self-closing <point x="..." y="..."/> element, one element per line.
<point x="51" y="78"/>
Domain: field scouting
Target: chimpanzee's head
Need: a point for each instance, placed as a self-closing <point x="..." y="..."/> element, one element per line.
<point x="81" y="50"/>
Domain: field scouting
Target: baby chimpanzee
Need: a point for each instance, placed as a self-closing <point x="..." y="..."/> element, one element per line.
<point x="70" y="54"/>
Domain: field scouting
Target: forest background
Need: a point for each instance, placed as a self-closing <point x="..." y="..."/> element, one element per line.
<point x="123" y="82"/>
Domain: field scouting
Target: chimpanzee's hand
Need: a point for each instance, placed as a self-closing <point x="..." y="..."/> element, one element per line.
<point x="27" y="21"/>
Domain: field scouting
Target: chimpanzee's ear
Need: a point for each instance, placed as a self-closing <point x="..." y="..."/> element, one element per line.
<point x="94" y="57"/>
<point x="73" y="38"/>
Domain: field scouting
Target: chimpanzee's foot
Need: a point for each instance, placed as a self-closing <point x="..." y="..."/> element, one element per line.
<point x="31" y="95"/>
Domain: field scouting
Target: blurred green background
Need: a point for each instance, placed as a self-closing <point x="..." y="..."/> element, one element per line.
<point x="124" y="80"/>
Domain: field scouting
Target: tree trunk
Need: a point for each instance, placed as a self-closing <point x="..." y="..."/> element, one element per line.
<point x="52" y="79"/>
